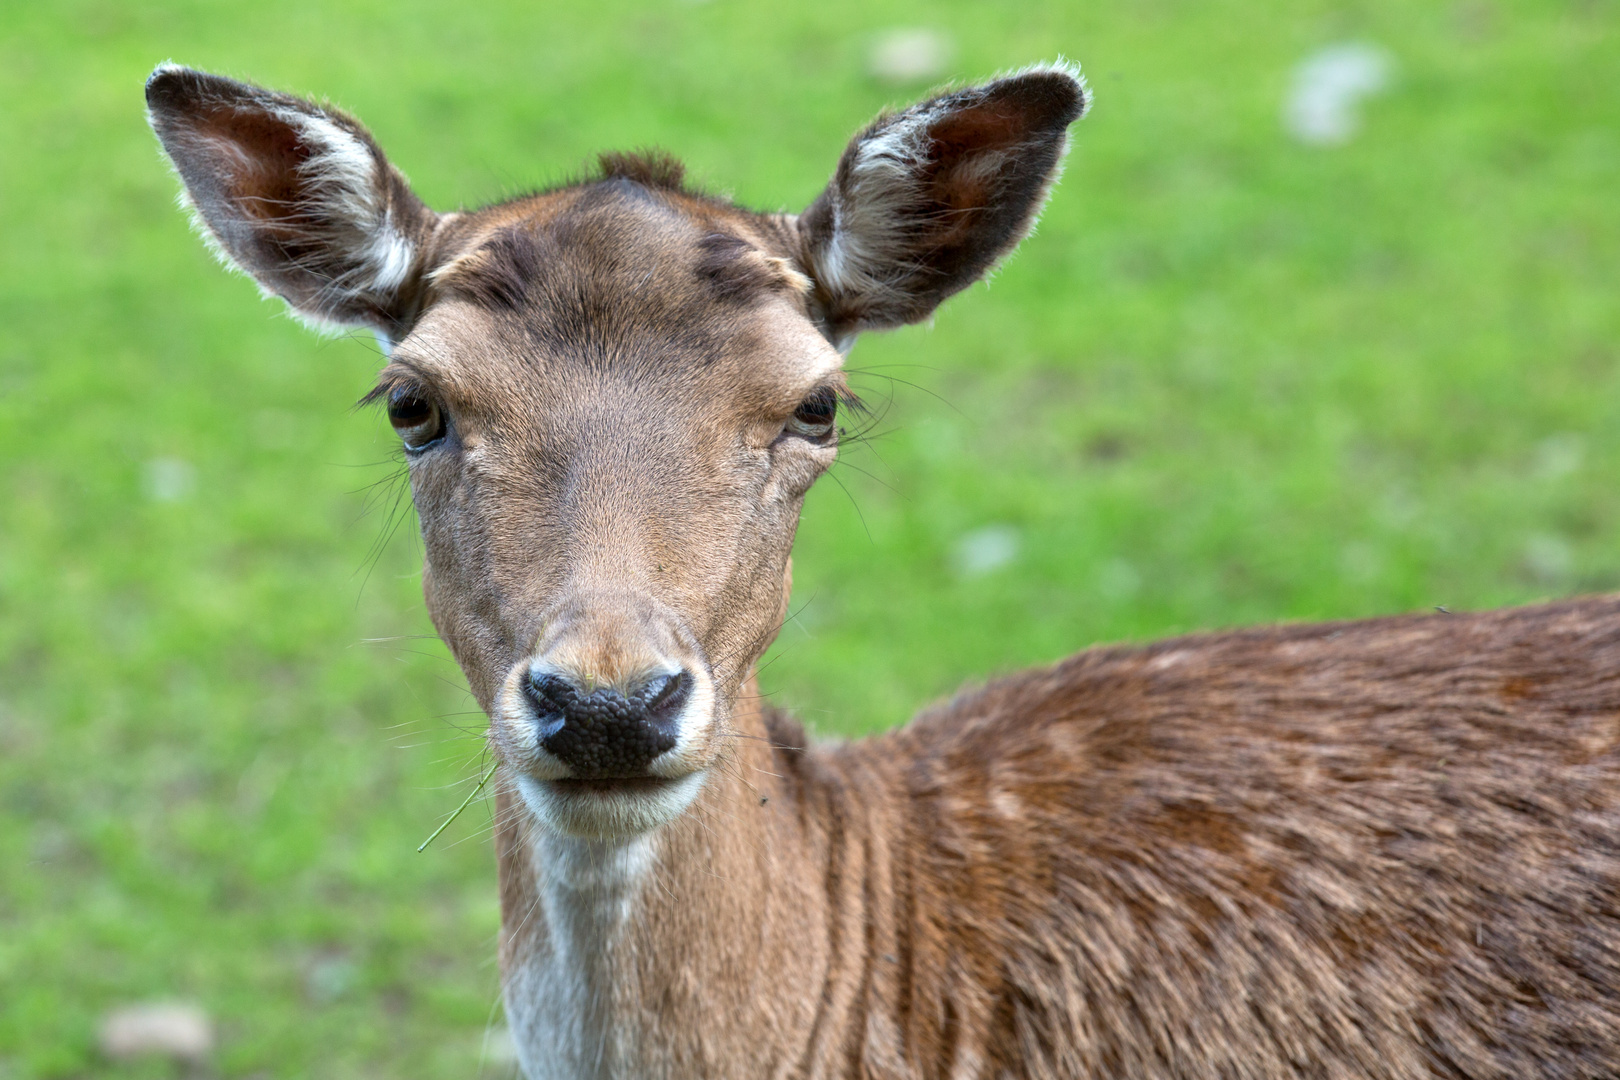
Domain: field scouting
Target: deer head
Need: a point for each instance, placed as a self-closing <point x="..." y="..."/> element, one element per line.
<point x="614" y="395"/>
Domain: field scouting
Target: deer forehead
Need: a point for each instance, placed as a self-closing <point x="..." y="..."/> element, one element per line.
<point x="616" y="297"/>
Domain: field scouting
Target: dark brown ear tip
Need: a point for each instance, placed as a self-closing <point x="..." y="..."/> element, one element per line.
<point x="172" y="87"/>
<point x="1058" y="92"/>
<point x="169" y="85"/>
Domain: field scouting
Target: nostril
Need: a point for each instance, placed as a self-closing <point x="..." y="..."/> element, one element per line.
<point x="553" y="688"/>
<point x="551" y="696"/>
<point x="666" y="696"/>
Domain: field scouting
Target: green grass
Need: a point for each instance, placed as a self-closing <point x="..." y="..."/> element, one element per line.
<point x="1231" y="379"/>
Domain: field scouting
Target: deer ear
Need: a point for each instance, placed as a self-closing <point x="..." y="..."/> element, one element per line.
<point x="297" y="196"/>
<point x="926" y="200"/>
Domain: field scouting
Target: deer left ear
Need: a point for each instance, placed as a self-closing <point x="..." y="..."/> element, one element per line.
<point x="925" y="201"/>
<point x="298" y="196"/>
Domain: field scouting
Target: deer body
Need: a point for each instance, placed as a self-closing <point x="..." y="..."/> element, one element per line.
<point x="1379" y="849"/>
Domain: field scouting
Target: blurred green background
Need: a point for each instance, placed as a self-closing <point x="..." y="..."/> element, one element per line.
<point x="1234" y="377"/>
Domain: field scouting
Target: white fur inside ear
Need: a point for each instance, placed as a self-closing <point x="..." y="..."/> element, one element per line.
<point x="296" y="196"/>
<point x="869" y="213"/>
<point x="345" y="181"/>
<point x="870" y="250"/>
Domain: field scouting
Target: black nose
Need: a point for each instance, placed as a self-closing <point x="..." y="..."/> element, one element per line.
<point x="603" y="733"/>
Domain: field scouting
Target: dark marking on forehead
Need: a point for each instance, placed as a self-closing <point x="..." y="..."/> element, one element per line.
<point x="606" y="279"/>
<point x="603" y="224"/>
<point x="615" y="234"/>
<point x="736" y="270"/>
<point x="498" y="274"/>
<point x="725" y="263"/>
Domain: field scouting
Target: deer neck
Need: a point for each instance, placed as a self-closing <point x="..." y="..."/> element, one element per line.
<point x="694" y="950"/>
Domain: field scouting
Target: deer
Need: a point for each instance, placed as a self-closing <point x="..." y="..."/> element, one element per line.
<point x="1386" y="848"/>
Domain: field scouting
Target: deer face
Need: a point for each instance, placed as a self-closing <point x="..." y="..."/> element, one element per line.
<point x="613" y="397"/>
<point x="612" y="414"/>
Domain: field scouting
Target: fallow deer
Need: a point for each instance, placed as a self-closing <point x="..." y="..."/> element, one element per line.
<point x="1374" y="849"/>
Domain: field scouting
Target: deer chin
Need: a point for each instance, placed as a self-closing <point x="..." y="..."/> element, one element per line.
<point x="608" y="809"/>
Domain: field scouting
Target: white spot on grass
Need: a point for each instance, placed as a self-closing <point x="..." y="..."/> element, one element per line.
<point x="1557" y="456"/>
<point x="1400" y="507"/>
<point x="1118" y="580"/>
<point x="1549" y="559"/>
<point x="909" y="55"/>
<point x="983" y="550"/>
<point x="1362" y="562"/>
<point x="169" y="479"/>
<point x="1324" y="104"/>
<point x="329" y="978"/>
<point x="275" y="429"/>
<point x="174" y="1031"/>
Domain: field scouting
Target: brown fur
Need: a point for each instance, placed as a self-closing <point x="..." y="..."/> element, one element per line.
<point x="1379" y="849"/>
<point x="1376" y="849"/>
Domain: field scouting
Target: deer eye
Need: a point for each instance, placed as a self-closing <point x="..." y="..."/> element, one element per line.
<point x="416" y="419"/>
<point x="814" y="417"/>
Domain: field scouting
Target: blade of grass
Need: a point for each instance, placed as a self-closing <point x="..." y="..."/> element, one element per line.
<point x="471" y="795"/>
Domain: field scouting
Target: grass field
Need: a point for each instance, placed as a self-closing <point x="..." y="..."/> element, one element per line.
<point x="1232" y="379"/>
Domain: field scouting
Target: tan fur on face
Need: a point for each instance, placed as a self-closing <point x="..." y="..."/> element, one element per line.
<point x="615" y="496"/>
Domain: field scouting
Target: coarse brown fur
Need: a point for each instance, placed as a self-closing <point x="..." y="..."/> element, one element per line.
<point x="1377" y="849"/>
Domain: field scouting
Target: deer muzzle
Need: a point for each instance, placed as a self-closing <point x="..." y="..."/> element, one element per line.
<point x="603" y="732"/>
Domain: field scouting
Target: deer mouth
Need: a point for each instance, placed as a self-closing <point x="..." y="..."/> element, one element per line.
<point x="614" y="785"/>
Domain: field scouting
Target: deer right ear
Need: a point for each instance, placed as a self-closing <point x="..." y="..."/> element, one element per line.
<point x="926" y="200"/>
<point x="298" y="196"/>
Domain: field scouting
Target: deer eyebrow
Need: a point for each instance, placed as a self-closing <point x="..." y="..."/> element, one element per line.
<point x="839" y="385"/>
<point x="400" y="373"/>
